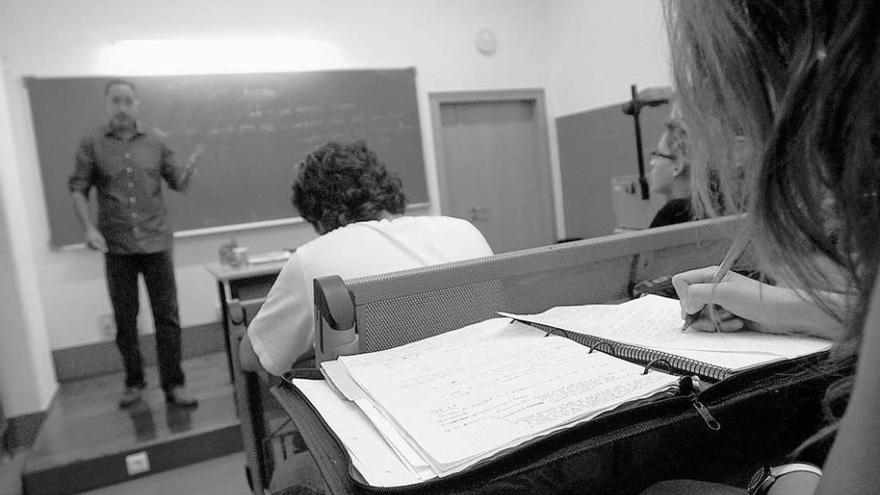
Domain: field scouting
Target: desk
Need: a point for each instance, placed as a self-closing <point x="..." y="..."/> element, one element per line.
<point x="244" y="284"/>
<point x="765" y="413"/>
<point x="622" y="453"/>
<point x="245" y="288"/>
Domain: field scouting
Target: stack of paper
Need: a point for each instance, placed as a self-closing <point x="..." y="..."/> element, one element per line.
<point x="445" y="403"/>
<point x="370" y="454"/>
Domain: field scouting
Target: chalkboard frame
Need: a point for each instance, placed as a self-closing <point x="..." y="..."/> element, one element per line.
<point x="299" y="112"/>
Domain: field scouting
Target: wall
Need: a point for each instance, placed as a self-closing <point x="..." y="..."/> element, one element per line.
<point x="542" y="44"/>
<point x="27" y="376"/>
<point x="599" y="48"/>
<point x="434" y="36"/>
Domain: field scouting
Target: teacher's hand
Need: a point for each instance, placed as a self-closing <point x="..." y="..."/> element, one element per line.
<point x="95" y="240"/>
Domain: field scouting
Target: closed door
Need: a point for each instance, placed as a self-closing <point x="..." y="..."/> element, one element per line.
<point x="494" y="170"/>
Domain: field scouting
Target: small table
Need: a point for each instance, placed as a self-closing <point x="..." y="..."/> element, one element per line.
<point x="246" y="287"/>
<point x="246" y="284"/>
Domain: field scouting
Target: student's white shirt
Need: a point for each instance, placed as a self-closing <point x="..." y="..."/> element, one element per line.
<point x="283" y="330"/>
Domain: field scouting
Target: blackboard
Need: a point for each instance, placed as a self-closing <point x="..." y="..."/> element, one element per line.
<point x="255" y="129"/>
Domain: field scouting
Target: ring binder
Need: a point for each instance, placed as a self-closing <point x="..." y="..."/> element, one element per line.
<point x="652" y="362"/>
<point x="596" y="347"/>
<point x="640" y="355"/>
<point x="547" y="329"/>
<point x="626" y="333"/>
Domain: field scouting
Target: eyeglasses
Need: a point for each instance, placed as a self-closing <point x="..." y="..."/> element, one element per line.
<point x="660" y="154"/>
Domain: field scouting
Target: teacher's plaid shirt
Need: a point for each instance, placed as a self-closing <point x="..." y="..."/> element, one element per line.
<point x="128" y="176"/>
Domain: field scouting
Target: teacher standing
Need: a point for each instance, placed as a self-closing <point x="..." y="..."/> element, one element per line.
<point x="126" y="164"/>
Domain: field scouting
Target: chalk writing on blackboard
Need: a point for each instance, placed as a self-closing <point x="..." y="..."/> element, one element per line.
<point x="255" y="128"/>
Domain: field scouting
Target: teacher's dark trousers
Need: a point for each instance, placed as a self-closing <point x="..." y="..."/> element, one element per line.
<point x="122" y="272"/>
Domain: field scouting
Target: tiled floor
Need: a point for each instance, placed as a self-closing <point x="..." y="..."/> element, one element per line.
<point x="85" y="421"/>
<point x="221" y="476"/>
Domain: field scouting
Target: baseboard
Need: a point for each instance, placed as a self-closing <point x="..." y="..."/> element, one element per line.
<point x="74" y="363"/>
<point x="96" y="472"/>
<point x="22" y="430"/>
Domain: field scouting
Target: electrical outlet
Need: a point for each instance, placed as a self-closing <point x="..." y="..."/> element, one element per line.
<point x="137" y="463"/>
<point x="107" y="324"/>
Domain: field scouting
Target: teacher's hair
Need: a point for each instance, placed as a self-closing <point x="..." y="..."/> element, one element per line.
<point x="114" y="82"/>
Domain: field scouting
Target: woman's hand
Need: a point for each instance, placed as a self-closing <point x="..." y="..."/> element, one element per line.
<point x="748" y="304"/>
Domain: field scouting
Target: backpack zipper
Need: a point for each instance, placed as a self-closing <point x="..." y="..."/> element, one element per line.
<point x="704" y="413"/>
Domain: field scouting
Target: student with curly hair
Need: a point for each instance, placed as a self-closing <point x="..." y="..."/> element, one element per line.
<point x="356" y="205"/>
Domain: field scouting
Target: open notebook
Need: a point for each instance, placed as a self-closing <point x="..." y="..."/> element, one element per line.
<point x="440" y="405"/>
<point x="648" y="330"/>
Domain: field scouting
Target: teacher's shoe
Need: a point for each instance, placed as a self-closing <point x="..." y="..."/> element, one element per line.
<point x="178" y="397"/>
<point x="132" y="395"/>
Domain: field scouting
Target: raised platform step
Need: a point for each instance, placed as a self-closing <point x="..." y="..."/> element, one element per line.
<point x="87" y="441"/>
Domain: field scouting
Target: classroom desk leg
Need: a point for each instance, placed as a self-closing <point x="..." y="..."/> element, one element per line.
<point x="227" y="334"/>
<point x="250" y="411"/>
<point x="258" y="426"/>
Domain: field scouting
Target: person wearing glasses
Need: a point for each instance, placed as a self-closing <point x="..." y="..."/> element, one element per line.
<point x="798" y="80"/>
<point x="670" y="174"/>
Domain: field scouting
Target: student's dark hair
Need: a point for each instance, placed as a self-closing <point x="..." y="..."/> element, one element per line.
<point x="114" y="82"/>
<point x="343" y="183"/>
<point x="797" y="79"/>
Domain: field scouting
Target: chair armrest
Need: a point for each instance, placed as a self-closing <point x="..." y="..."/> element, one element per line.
<point x="335" y="319"/>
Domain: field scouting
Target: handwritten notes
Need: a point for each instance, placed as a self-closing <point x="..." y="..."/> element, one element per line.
<point x="468" y="394"/>
<point x="371" y="455"/>
<point x="437" y="406"/>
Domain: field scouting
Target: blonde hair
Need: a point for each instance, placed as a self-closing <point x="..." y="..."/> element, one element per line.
<point x="797" y="80"/>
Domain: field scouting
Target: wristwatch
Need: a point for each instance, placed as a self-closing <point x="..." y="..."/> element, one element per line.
<point x="766" y="476"/>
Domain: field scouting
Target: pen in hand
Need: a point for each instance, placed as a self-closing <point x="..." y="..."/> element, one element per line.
<point x="740" y="243"/>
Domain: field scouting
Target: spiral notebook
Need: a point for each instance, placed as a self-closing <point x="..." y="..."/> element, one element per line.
<point x="648" y="331"/>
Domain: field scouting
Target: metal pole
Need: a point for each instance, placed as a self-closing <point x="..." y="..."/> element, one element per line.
<point x="637" y="108"/>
